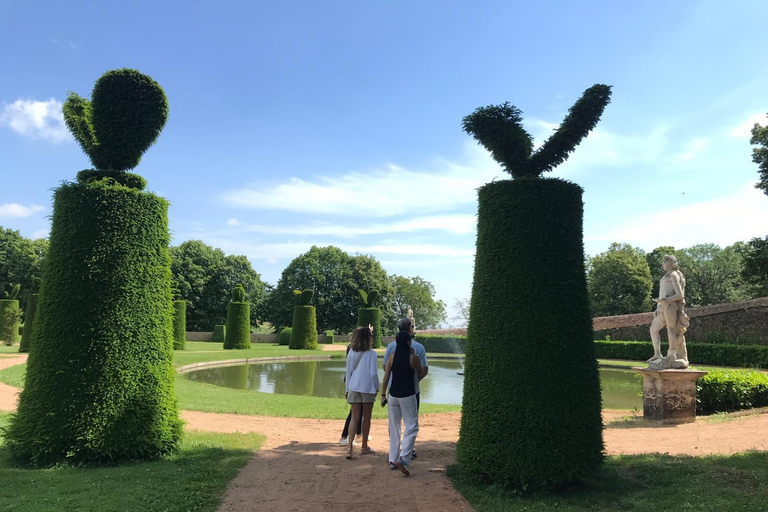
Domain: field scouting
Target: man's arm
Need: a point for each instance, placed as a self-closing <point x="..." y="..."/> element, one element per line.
<point x="424" y="363"/>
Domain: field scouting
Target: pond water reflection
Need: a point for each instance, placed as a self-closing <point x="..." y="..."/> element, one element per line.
<point x="621" y="388"/>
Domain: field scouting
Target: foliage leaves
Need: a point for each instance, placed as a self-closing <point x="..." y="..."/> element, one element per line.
<point x="21" y="262"/>
<point x="499" y="129"/>
<point x="179" y="324"/>
<point x="126" y="113"/>
<point x="619" y="281"/>
<point x="371" y="316"/>
<point x="304" y="329"/>
<point x="29" y="323"/>
<point x="100" y="382"/>
<point x="760" y="155"/>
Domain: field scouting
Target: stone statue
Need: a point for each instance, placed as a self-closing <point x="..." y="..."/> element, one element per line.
<point x="670" y="313"/>
<point x="410" y="317"/>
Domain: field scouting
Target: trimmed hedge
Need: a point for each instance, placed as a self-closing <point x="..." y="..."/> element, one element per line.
<point x="10" y="314"/>
<point x="29" y="320"/>
<point x="329" y="337"/>
<point x="99" y="384"/>
<point x="443" y="344"/>
<point x="284" y="338"/>
<point x="731" y="390"/>
<point x="304" y="330"/>
<point x="238" y="335"/>
<point x="372" y="316"/>
<point x="724" y="354"/>
<point x="179" y="324"/>
<point x="531" y="411"/>
<point x="219" y="333"/>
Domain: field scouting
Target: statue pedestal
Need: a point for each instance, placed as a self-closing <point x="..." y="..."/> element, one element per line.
<point x="669" y="396"/>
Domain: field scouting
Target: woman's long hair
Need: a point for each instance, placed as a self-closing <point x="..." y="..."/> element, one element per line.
<point x="402" y="350"/>
<point x="362" y="339"/>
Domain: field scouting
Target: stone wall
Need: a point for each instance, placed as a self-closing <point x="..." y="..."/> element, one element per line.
<point x="272" y="338"/>
<point x="743" y="323"/>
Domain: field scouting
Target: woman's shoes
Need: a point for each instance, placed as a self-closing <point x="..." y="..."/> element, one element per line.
<point x="367" y="450"/>
<point x="349" y="454"/>
<point x="343" y="441"/>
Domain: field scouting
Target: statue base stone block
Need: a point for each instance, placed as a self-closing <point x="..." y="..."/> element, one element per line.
<point x="669" y="396"/>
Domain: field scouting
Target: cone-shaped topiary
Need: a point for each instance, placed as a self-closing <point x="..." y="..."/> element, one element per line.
<point x="284" y="338"/>
<point x="10" y="317"/>
<point x="531" y="404"/>
<point x="370" y="315"/>
<point x="100" y="383"/>
<point x="238" y="333"/>
<point x="29" y="322"/>
<point x="304" y="330"/>
<point x="219" y="333"/>
<point x="179" y="324"/>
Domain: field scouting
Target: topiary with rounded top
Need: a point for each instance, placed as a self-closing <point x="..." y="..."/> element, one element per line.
<point x="304" y="330"/>
<point x="370" y="315"/>
<point x="238" y="332"/>
<point x="531" y="413"/>
<point x="284" y="338"/>
<point x="99" y="386"/>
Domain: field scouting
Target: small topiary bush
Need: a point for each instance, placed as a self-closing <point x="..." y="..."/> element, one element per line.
<point x="179" y="324"/>
<point x="219" y="333"/>
<point x="10" y="316"/>
<point x="329" y="336"/>
<point x="304" y="330"/>
<point x="731" y="390"/>
<point x="284" y="338"/>
<point x="369" y="314"/>
<point x="29" y="321"/>
<point x="238" y="335"/>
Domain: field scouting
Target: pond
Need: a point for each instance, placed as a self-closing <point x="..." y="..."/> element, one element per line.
<point x="621" y="388"/>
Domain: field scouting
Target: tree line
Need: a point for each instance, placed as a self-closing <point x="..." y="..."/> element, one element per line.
<point x="204" y="277"/>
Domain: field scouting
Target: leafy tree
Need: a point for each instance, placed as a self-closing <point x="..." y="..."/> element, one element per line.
<point x="418" y="294"/>
<point x="205" y="276"/>
<point x="21" y="262"/>
<point x="760" y="155"/>
<point x="335" y="277"/>
<point x="620" y="281"/>
<point x="712" y="274"/>
<point x="755" y="265"/>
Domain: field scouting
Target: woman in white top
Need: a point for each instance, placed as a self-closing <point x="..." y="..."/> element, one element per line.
<point x="362" y="384"/>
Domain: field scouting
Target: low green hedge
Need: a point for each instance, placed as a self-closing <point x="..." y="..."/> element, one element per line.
<point x="731" y="390"/>
<point x="443" y="344"/>
<point x="745" y="356"/>
<point x="329" y="336"/>
<point x="284" y="338"/>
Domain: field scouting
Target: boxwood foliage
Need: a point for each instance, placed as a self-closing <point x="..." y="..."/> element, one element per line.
<point x="238" y="334"/>
<point x="179" y="324"/>
<point x="126" y="113"/>
<point x="10" y="316"/>
<point x="100" y="384"/>
<point x="329" y="336"/>
<point x="731" y="390"/>
<point x="443" y="344"/>
<point x="29" y="322"/>
<point x="284" y="338"/>
<point x="531" y="406"/>
<point x="219" y="333"/>
<point x="372" y="316"/>
<point x="304" y="330"/>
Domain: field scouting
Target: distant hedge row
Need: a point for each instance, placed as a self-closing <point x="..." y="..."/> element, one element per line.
<point x="443" y="344"/>
<point x="731" y="390"/>
<point x="744" y="356"/>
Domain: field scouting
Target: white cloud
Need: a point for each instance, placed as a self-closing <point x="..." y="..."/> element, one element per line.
<point x="723" y="221"/>
<point x="36" y="119"/>
<point x="377" y="193"/>
<point x="17" y="211"/>
<point x="41" y="233"/>
<point x="233" y="222"/>
<point x="461" y="224"/>
<point x="744" y="130"/>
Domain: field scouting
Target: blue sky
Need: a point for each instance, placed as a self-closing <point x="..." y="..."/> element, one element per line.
<point x="295" y="124"/>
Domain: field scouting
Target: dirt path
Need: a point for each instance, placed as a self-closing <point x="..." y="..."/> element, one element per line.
<point x="301" y="467"/>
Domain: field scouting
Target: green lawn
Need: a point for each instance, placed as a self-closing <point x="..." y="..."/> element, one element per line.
<point x="641" y="483"/>
<point x="194" y="478"/>
<point x="5" y="349"/>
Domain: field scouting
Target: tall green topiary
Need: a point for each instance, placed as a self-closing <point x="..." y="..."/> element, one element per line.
<point x="531" y="405"/>
<point x="29" y="316"/>
<point x="100" y="383"/>
<point x="179" y="324"/>
<point x="284" y="338"/>
<point x="304" y="330"/>
<point x="238" y="333"/>
<point x="10" y="317"/>
<point x="370" y="314"/>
